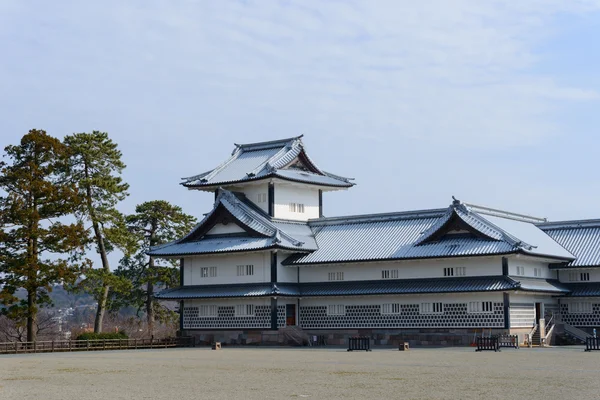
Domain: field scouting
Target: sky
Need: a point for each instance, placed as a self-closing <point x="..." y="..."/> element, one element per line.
<point x="494" y="102"/>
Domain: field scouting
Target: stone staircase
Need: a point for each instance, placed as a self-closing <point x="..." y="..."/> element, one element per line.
<point x="295" y="335"/>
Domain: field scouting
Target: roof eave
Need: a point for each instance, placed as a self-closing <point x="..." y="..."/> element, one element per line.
<point x="394" y="259"/>
<point x="216" y="185"/>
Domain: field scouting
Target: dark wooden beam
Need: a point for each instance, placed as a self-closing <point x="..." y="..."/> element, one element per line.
<point x="273" y="267"/>
<point x="271" y="197"/>
<point x="320" y="203"/>
<point x="274" y="314"/>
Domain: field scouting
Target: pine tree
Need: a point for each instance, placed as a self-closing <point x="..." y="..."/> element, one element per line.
<point x="37" y="249"/>
<point x="154" y="223"/>
<point x="95" y="167"/>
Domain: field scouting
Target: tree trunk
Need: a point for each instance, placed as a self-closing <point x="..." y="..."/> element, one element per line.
<point x="31" y="316"/>
<point x="101" y="308"/>
<point x="150" y="300"/>
<point x="103" y="257"/>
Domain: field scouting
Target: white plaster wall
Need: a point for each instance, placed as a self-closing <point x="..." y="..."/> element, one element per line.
<point x="594" y="274"/>
<point x="523" y="297"/>
<point x="529" y="265"/>
<point x="220" y="229"/>
<point x="227" y="268"/>
<point x="406" y="269"/>
<point x="403" y="299"/>
<point x="252" y="190"/>
<point x="261" y="301"/>
<point x="285" y="274"/>
<point x="286" y="194"/>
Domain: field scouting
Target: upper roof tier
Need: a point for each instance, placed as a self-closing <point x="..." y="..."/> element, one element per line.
<point x="461" y="230"/>
<point x="285" y="159"/>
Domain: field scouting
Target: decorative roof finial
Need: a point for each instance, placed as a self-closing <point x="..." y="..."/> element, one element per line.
<point x="455" y="201"/>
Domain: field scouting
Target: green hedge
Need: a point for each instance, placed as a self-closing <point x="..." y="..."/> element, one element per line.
<point x="102" y="335"/>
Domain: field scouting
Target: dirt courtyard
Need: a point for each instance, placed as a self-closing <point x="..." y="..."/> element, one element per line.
<point x="264" y="373"/>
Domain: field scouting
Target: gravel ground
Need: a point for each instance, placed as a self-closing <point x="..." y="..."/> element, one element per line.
<point x="252" y="373"/>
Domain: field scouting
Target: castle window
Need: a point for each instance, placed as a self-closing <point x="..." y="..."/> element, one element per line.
<point x="579" y="276"/>
<point x="335" y="276"/>
<point x="244" y="310"/>
<point x="208" y="272"/>
<point x="448" y="271"/>
<point x="389" y="274"/>
<point x="336" y="309"/>
<point x="520" y="271"/>
<point x="431" y="308"/>
<point x="584" y="276"/>
<point x="393" y="308"/>
<point x="243" y="270"/>
<point x="262" y="198"/>
<point x="296" y="208"/>
<point x="537" y="272"/>
<point x="481" y="307"/>
<point x="580" y="308"/>
<point x="207" y="311"/>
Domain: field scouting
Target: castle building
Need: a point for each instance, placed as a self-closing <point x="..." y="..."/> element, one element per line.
<point x="266" y="258"/>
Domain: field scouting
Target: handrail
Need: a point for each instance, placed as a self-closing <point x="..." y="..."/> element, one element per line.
<point x="576" y="332"/>
<point x="546" y="339"/>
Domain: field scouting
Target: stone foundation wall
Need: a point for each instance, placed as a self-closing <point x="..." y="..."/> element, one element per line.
<point x="339" y="338"/>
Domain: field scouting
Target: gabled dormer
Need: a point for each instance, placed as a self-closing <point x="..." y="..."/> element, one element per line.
<point x="235" y="224"/>
<point x="278" y="176"/>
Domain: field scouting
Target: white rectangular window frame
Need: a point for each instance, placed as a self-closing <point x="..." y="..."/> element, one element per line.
<point x="431" y="308"/>
<point x="584" y="276"/>
<point x="389" y="274"/>
<point x="390" y="308"/>
<point x="537" y="272"/>
<point x="207" y="311"/>
<point x="204" y="272"/>
<point x="244" y="310"/>
<point x="335" y="276"/>
<point x="296" y="208"/>
<point x="262" y="197"/>
<point x="481" y="307"/>
<point x="582" y="307"/>
<point x="460" y="271"/>
<point x="520" y="270"/>
<point x="449" y="271"/>
<point x="336" y="309"/>
<point x="245" y="270"/>
<point x="574" y="276"/>
<point x="212" y="272"/>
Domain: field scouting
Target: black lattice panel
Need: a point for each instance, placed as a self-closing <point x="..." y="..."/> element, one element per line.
<point x="370" y="316"/>
<point x="226" y="318"/>
<point x="583" y="320"/>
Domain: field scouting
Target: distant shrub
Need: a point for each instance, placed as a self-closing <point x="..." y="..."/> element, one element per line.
<point x="102" y="335"/>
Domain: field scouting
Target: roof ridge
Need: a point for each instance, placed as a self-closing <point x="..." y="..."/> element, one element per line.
<point x="570" y="224"/>
<point x="417" y="214"/>
<point x="208" y="175"/>
<point x="495" y="212"/>
<point x="269" y="143"/>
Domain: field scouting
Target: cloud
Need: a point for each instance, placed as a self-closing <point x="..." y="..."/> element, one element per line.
<point x="404" y="87"/>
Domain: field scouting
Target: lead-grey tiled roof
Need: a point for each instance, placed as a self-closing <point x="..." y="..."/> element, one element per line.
<point x="581" y="238"/>
<point x="214" y="245"/>
<point x="262" y="160"/>
<point x="346" y="288"/>
<point x="541" y="285"/>
<point x="404" y="236"/>
<point x="408" y="286"/>
<point x="272" y="235"/>
<point x="587" y="289"/>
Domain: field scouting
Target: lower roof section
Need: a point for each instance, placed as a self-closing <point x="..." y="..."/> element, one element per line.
<point x="361" y="288"/>
<point x="587" y="289"/>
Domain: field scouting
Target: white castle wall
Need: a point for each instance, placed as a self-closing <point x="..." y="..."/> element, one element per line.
<point x="227" y="268"/>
